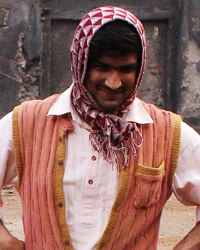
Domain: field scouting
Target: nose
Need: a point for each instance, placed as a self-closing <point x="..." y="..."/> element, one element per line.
<point x="113" y="80"/>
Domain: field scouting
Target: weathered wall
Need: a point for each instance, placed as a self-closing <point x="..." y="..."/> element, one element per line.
<point x="189" y="104"/>
<point x="35" y="38"/>
<point x="19" y="52"/>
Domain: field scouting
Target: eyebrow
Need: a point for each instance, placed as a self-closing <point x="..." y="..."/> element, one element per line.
<point x="130" y="65"/>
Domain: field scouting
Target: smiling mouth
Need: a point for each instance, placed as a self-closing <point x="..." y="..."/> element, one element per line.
<point x="111" y="91"/>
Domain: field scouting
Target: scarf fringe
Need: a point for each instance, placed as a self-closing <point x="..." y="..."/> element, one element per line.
<point x="112" y="153"/>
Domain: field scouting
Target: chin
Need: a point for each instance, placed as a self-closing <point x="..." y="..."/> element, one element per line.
<point x="109" y="109"/>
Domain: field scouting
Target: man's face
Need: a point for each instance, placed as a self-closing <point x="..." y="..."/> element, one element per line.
<point x="111" y="80"/>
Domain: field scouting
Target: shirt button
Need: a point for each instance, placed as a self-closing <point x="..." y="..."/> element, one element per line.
<point x="67" y="242"/>
<point x="90" y="182"/>
<point x="94" y="158"/>
<point x="60" y="162"/>
<point x="60" y="204"/>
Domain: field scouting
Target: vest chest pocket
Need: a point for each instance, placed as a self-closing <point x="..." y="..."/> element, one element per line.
<point x="148" y="185"/>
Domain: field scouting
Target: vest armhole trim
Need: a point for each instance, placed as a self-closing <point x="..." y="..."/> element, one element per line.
<point x="16" y="144"/>
<point x="175" y="147"/>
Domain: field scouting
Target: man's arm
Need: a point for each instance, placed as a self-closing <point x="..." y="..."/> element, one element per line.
<point x="186" y="183"/>
<point x="7" y="241"/>
<point x="8" y="175"/>
<point x="191" y="241"/>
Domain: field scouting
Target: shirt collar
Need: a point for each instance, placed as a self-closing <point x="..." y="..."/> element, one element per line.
<point x="63" y="105"/>
<point x="137" y="113"/>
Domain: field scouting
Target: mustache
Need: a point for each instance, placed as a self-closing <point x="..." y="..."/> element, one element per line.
<point x="112" y="91"/>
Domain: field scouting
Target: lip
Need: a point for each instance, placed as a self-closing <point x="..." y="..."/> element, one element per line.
<point x="110" y="93"/>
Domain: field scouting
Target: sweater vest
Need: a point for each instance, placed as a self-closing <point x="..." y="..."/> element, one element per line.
<point x="145" y="186"/>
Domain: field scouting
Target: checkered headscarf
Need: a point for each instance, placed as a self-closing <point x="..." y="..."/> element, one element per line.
<point x="111" y="134"/>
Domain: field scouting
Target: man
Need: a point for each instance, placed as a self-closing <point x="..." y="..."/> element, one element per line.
<point x="95" y="165"/>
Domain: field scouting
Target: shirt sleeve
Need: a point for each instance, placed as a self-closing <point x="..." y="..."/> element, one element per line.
<point x="8" y="173"/>
<point x="186" y="182"/>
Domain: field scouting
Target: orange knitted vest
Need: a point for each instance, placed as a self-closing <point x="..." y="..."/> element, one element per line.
<point x="144" y="187"/>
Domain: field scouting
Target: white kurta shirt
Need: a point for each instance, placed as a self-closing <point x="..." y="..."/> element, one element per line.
<point x="90" y="183"/>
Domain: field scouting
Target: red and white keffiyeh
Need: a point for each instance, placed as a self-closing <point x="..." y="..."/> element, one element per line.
<point x="111" y="134"/>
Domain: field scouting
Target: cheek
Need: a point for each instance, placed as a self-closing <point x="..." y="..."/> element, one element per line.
<point x="130" y="80"/>
<point x="93" y="77"/>
<point x="130" y="85"/>
<point x="96" y="76"/>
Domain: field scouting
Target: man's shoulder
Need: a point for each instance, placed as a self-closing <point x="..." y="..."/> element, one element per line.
<point x="47" y="100"/>
<point x="39" y="103"/>
<point x="150" y="107"/>
<point x="33" y="109"/>
<point x="161" y="116"/>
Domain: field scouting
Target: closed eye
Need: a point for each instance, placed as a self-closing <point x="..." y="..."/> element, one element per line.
<point x="102" y="66"/>
<point x="128" y="68"/>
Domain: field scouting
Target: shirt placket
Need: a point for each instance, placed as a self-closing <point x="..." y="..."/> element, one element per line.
<point x="89" y="190"/>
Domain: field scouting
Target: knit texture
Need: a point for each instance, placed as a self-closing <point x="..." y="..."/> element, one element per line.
<point x="144" y="186"/>
<point x="40" y="154"/>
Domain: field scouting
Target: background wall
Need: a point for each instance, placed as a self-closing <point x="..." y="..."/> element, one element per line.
<point x="189" y="64"/>
<point x="35" y="39"/>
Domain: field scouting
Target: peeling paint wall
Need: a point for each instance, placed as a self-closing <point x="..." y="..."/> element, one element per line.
<point x="190" y="88"/>
<point x="151" y="88"/>
<point x="189" y="105"/>
<point x="19" y="53"/>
